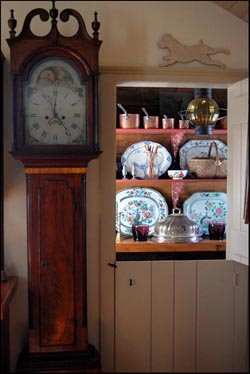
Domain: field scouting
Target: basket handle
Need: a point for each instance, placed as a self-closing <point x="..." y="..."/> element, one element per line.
<point x="217" y="160"/>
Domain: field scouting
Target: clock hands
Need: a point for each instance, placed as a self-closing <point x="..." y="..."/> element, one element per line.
<point x="68" y="133"/>
<point x="54" y="109"/>
<point x="56" y="119"/>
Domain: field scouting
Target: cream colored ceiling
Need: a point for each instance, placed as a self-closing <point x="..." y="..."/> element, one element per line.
<point x="237" y="8"/>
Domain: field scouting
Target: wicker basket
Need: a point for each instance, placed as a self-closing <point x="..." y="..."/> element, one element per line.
<point x="208" y="167"/>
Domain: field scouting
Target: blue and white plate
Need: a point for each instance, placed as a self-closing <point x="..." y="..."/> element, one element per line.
<point x="199" y="148"/>
<point x="139" y="205"/>
<point x="204" y="207"/>
<point x="136" y="155"/>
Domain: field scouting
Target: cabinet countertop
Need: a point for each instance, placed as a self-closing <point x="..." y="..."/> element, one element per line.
<point x="205" y="245"/>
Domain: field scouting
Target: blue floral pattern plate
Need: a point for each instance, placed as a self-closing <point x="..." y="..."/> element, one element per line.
<point x="136" y="155"/>
<point x="139" y="205"/>
<point x="199" y="148"/>
<point x="204" y="207"/>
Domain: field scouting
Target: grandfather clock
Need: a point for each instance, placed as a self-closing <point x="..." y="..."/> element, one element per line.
<point x="55" y="135"/>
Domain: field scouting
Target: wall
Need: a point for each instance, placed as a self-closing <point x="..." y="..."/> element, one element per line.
<point x="130" y="31"/>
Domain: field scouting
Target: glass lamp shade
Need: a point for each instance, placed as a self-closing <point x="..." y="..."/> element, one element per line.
<point x="202" y="111"/>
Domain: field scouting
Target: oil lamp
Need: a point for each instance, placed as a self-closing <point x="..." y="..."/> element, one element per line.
<point x="202" y="111"/>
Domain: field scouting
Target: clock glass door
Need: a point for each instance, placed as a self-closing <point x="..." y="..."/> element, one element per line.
<point x="55" y="104"/>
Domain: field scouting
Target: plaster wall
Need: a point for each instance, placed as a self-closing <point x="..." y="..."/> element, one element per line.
<point x="130" y="31"/>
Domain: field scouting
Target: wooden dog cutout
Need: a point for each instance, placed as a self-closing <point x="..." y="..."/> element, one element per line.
<point x="183" y="53"/>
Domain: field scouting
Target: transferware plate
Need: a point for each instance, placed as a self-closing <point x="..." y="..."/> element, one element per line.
<point x="139" y="205"/>
<point x="204" y="207"/>
<point x="136" y="155"/>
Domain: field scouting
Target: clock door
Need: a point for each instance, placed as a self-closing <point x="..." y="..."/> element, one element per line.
<point x="58" y="313"/>
<point x="55" y="104"/>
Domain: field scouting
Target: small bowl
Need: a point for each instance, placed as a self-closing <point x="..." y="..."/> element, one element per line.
<point x="177" y="174"/>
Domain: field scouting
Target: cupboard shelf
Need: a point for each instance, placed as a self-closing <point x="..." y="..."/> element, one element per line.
<point x="206" y="245"/>
<point x="142" y="131"/>
<point x="156" y="182"/>
<point x="173" y="140"/>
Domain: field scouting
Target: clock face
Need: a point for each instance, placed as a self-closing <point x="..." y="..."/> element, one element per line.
<point x="55" y="104"/>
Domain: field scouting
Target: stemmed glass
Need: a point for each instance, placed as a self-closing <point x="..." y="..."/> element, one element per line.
<point x="133" y="171"/>
<point x="124" y="172"/>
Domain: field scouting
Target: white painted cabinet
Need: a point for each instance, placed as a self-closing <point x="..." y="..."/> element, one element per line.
<point x="133" y="317"/>
<point x="162" y="316"/>
<point x="180" y="316"/>
<point x="238" y="118"/>
<point x="215" y="306"/>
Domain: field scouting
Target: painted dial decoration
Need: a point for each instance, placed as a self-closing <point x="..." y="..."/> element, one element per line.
<point x="55" y="104"/>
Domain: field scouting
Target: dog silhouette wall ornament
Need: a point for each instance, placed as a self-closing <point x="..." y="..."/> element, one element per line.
<point x="184" y="53"/>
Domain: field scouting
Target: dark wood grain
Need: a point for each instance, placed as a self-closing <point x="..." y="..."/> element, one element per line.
<point x="60" y="363"/>
<point x="56" y="200"/>
<point x="56" y="244"/>
<point x="57" y="302"/>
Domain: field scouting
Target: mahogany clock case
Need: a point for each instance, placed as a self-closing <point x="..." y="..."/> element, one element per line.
<point x="56" y="173"/>
<point x="80" y="51"/>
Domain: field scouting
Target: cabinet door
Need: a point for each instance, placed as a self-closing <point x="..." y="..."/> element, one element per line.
<point x="57" y="275"/>
<point x="132" y="316"/>
<point x="241" y="313"/>
<point x="162" y="316"/>
<point x="185" y="275"/>
<point x="238" y="119"/>
<point x="215" y="304"/>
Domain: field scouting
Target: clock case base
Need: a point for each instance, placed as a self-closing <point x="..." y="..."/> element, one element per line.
<point x="60" y="362"/>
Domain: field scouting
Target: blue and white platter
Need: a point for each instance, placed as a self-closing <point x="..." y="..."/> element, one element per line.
<point x="139" y="205"/>
<point x="136" y="155"/>
<point x="199" y="148"/>
<point x="204" y="207"/>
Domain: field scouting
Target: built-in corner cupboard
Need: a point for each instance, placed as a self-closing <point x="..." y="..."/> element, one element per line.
<point x="183" y="307"/>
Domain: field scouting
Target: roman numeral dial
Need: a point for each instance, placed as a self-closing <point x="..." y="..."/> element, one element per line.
<point x="55" y="105"/>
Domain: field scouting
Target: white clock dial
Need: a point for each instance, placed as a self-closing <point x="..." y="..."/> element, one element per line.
<point x="55" y="105"/>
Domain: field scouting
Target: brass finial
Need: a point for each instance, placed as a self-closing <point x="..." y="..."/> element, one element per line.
<point x="53" y="13"/>
<point x="12" y="24"/>
<point x="95" y="26"/>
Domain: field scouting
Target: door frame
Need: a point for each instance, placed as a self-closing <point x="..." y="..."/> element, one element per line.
<point x="109" y="80"/>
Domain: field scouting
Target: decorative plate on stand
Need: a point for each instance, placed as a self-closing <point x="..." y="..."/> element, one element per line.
<point x="205" y="207"/>
<point x="144" y="205"/>
<point x="136" y="155"/>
